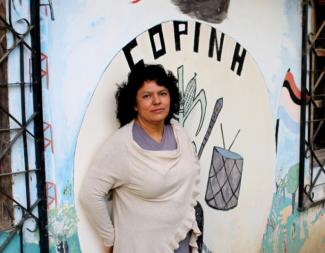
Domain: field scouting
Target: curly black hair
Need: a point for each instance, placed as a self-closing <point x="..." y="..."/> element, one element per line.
<point x="126" y="92"/>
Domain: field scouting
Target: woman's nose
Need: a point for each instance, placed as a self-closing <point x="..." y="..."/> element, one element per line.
<point x="156" y="99"/>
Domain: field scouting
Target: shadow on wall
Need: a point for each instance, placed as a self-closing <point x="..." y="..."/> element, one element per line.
<point x="214" y="11"/>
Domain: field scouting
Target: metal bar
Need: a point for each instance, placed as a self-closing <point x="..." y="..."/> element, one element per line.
<point x="9" y="129"/>
<point x="303" y="105"/>
<point x="315" y="70"/>
<point x="312" y="101"/>
<point x="23" y="119"/>
<point x="17" y="42"/>
<point x="316" y="120"/>
<point x="316" y="132"/>
<point x="314" y="181"/>
<point x="11" y="228"/>
<point x="18" y="226"/>
<point x="313" y="203"/>
<point x="14" y="119"/>
<point x="38" y="125"/>
<point x="20" y="42"/>
<point x="21" y="241"/>
<point x="316" y="203"/>
<point x="5" y="85"/>
<point x="20" y="37"/>
<point x="7" y="241"/>
<point x="29" y="211"/>
<point x="318" y="95"/>
<point x="309" y="126"/>
<point x="312" y="139"/>
<point x="2" y="154"/>
<point x="17" y="173"/>
<point x="315" y="156"/>
<point x="318" y="81"/>
<point x="318" y="33"/>
<point x="317" y="185"/>
<point x="16" y="129"/>
<point x="12" y="142"/>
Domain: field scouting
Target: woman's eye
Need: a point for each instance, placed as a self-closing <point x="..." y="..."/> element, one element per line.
<point x="164" y="93"/>
<point x="146" y="96"/>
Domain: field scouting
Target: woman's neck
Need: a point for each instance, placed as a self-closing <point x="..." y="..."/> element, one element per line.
<point x="155" y="131"/>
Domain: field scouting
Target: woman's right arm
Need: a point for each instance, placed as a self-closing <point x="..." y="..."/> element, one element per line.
<point x="104" y="174"/>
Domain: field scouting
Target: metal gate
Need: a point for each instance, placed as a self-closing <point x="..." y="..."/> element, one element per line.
<point x="21" y="128"/>
<point x="312" y="129"/>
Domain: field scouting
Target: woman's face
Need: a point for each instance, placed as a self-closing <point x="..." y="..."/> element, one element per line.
<point x="152" y="103"/>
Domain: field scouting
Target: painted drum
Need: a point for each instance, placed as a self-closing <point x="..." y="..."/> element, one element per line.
<point x="225" y="175"/>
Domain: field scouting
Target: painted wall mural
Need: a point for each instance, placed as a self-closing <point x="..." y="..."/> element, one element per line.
<point x="287" y="229"/>
<point x="210" y="97"/>
<point x="214" y="11"/>
<point x="240" y="106"/>
<point x="223" y="185"/>
<point x="289" y="106"/>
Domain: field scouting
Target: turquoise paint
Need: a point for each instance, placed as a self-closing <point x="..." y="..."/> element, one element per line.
<point x="292" y="179"/>
<point x="317" y="216"/>
<point x="292" y="240"/>
<point x="284" y="237"/>
<point x="14" y="244"/>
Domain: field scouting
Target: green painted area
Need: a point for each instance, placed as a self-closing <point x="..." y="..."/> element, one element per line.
<point x="292" y="179"/>
<point x="72" y="243"/>
<point x="67" y="191"/>
<point x="63" y="228"/>
<point x="288" y="232"/>
<point x="14" y="244"/>
<point x="284" y="237"/>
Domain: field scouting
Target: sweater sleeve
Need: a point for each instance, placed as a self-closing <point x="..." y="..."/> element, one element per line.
<point x="105" y="173"/>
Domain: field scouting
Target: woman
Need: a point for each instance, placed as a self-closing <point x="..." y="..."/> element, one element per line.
<point x="149" y="167"/>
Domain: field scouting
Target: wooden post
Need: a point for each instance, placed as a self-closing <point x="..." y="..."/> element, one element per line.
<point x="6" y="207"/>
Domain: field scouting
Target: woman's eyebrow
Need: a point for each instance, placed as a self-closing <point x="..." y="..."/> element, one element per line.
<point x="149" y="91"/>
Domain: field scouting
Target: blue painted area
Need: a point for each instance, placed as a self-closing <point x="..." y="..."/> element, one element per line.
<point x="285" y="119"/>
<point x="291" y="50"/>
<point x="14" y="245"/>
<point x="287" y="151"/>
<point x="95" y="23"/>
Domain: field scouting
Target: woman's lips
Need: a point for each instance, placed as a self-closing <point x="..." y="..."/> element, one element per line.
<point x="158" y="110"/>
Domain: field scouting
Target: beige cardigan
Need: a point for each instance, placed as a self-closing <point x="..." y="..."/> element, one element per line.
<point x="154" y="194"/>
